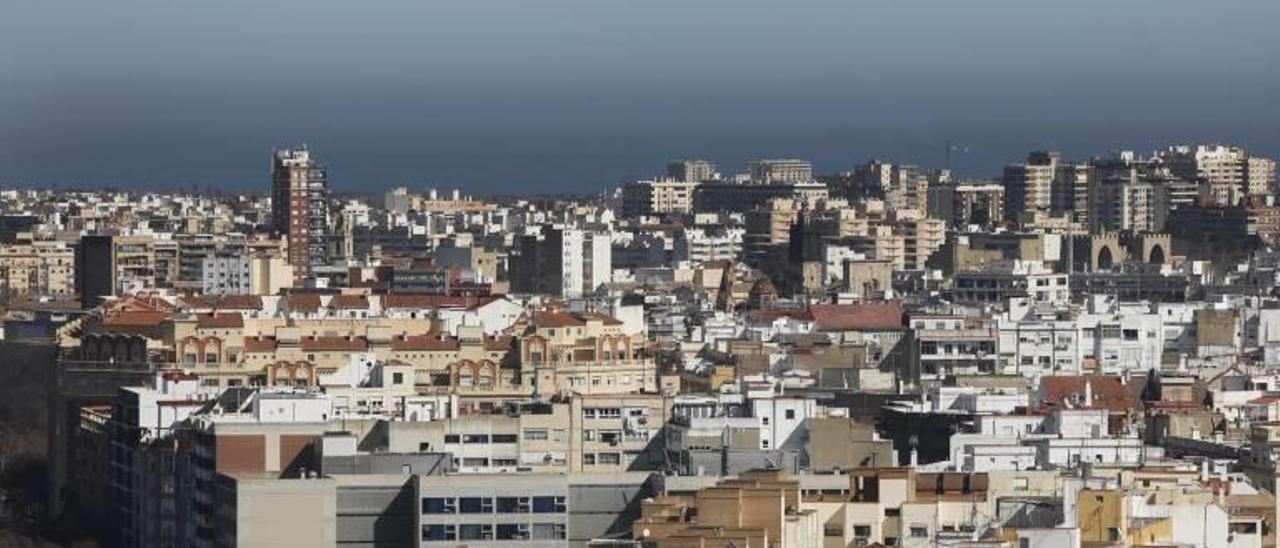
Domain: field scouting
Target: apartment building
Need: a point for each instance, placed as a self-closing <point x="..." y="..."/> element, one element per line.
<point x="300" y="207"/>
<point x="772" y="171"/>
<point x="37" y="269"/>
<point x="584" y="353"/>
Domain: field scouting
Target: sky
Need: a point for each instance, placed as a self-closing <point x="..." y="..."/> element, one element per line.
<point x="529" y="96"/>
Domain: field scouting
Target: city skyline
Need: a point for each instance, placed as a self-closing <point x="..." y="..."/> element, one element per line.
<point x="645" y="167"/>
<point x="664" y="274"/>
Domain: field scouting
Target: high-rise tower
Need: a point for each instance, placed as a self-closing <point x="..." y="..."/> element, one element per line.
<point x="300" y="207"/>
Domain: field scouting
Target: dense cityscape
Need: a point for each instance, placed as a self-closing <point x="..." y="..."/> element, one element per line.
<point x="1074" y="352"/>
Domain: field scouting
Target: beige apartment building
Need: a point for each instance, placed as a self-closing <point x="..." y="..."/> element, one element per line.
<point x="37" y="269"/>
<point x="585" y="353"/>
<point x="616" y="433"/>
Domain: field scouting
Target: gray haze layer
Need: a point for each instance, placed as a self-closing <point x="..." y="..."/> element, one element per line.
<point x="569" y="96"/>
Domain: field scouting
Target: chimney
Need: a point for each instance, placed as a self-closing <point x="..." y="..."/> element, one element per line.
<point x="915" y="458"/>
<point x="1204" y="470"/>
<point x="1088" y="393"/>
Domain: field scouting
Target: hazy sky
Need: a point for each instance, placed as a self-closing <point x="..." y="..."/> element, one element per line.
<point x="513" y="95"/>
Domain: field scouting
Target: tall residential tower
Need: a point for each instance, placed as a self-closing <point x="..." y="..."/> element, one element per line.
<point x="300" y="207"/>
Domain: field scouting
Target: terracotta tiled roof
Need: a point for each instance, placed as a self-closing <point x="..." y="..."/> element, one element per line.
<point x="135" y="318"/>
<point x="263" y="344"/>
<point x="839" y="317"/>
<point x="219" y="320"/>
<point x="421" y="300"/>
<point x="557" y="319"/>
<point x="349" y="302"/>
<point x="304" y="302"/>
<point x="325" y="344"/>
<point x="1108" y="392"/>
<point x="495" y="344"/>
<point x="424" y="343"/>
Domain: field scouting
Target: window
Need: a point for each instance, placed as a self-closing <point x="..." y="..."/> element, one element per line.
<point x="546" y="505"/>
<point x="475" y="505"/>
<point x="764" y="421"/>
<point x="397" y="378"/>
<point x="439" y="531"/>
<point x="474" y="531"/>
<point x="548" y="531"/>
<point x="475" y="462"/>
<point x="892" y="512"/>
<point x="589" y="458"/>
<point x="504" y="438"/>
<point x="475" y="438"/>
<point x="861" y="533"/>
<point x="1131" y="334"/>
<point x="919" y="532"/>
<point x="609" y="458"/>
<point x="791" y="414"/>
<point x="535" y="434"/>
<point x="513" y="531"/>
<point x="513" y="505"/>
<point x="437" y="505"/>
<point x="451" y="438"/>
<point x="1243" y="528"/>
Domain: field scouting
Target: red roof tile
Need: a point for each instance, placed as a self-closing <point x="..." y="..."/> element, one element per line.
<point x="495" y="344"/>
<point x="424" y="343"/>
<point x="349" y="302"/>
<point x="220" y="320"/>
<point x="840" y="317"/>
<point x="304" y="302"/>
<point x="1108" y="392"/>
<point x="135" y="318"/>
<point x="557" y="319"/>
<point x="263" y="344"/>
<point x="240" y="302"/>
<point x="422" y="300"/>
<point x="331" y="344"/>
